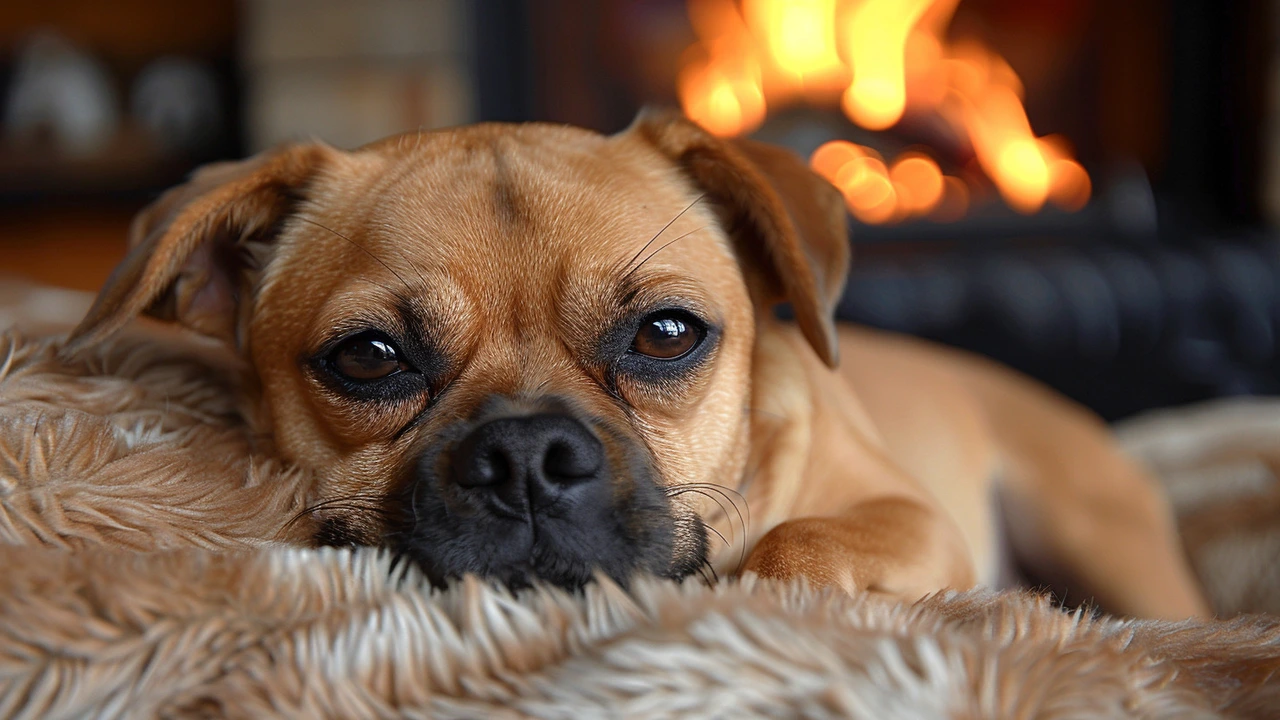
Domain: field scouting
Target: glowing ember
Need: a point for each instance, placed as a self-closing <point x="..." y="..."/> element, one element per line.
<point x="882" y="59"/>
<point x="917" y="181"/>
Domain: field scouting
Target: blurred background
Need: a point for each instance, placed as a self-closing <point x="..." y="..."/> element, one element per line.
<point x="1086" y="190"/>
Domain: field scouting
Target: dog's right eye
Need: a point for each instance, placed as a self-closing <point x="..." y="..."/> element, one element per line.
<point x="366" y="357"/>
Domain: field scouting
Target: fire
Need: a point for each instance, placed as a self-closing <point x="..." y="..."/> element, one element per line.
<point x="876" y="33"/>
<point x="803" y="44"/>
<point x="881" y="60"/>
<point x="720" y="79"/>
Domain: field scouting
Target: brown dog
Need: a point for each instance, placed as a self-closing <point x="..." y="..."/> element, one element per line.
<point x="530" y="351"/>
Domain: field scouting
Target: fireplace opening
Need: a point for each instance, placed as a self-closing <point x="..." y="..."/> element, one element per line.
<point x="1085" y="190"/>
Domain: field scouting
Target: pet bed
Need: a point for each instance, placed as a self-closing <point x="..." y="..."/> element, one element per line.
<point x="148" y="571"/>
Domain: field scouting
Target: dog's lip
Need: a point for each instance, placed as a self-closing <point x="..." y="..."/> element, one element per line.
<point x="523" y="561"/>
<point x="515" y="573"/>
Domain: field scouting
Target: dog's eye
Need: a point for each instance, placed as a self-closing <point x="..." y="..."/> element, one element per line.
<point x="666" y="336"/>
<point x="368" y="356"/>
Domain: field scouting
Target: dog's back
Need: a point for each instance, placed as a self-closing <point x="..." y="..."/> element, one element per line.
<point x="1002" y="452"/>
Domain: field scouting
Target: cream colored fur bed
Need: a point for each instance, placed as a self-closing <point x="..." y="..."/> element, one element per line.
<point x="145" y="572"/>
<point x="297" y="633"/>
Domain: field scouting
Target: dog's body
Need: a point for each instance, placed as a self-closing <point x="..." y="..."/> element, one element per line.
<point x="525" y="351"/>
<point x="1019" y="470"/>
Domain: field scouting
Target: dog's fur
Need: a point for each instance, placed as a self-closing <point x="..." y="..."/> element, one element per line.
<point x="512" y="265"/>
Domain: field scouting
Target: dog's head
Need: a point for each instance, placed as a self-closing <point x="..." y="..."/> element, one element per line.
<point x="503" y="349"/>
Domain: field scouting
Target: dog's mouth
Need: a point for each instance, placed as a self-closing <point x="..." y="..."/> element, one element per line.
<point x="538" y="494"/>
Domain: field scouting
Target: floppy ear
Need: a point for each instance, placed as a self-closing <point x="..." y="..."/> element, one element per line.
<point x="187" y="249"/>
<point x="791" y="221"/>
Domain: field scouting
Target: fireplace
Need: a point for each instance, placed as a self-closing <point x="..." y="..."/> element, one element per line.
<point x="937" y="124"/>
<point x="1080" y="189"/>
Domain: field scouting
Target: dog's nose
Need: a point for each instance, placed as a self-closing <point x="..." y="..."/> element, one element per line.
<point x="528" y="462"/>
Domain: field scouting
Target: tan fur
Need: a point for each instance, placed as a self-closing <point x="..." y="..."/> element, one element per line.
<point x="516" y="245"/>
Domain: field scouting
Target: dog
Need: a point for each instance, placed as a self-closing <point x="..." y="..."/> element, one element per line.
<point x="536" y="353"/>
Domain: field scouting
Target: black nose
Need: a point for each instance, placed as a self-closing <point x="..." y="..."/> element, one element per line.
<point x="528" y="462"/>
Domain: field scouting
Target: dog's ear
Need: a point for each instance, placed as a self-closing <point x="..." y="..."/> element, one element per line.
<point x="187" y="250"/>
<point x="791" y="222"/>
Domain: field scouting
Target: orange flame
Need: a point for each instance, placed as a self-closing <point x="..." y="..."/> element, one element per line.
<point x="882" y="59"/>
<point x="720" y="84"/>
<point x="876" y="44"/>
<point x="912" y="186"/>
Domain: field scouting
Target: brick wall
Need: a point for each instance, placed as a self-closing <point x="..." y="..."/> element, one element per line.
<point x="352" y="72"/>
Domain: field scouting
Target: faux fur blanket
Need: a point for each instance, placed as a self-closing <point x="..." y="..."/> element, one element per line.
<point x="146" y="572"/>
<point x="295" y="633"/>
<point x="1220" y="462"/>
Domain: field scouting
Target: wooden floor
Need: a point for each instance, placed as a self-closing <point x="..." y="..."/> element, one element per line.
<point x="72" y="247"/>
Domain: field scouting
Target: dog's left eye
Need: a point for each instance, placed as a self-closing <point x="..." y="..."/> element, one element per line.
<point x="666" y="336"/>
<point x="368" y="356"/>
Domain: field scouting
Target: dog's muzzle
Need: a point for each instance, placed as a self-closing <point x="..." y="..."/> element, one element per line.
<point x="527" y="491"/>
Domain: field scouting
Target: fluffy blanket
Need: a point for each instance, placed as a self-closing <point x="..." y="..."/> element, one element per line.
<point x="1220" y="462"/>
<point x="296" y="633"/>
<point x="147" y="572"/>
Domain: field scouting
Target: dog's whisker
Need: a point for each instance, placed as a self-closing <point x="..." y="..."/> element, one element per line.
<point x="341" y="509"/>
<point x="708" y="526"/>
<point x="724" y="492"/>
<point x="707" y="572"/>
<point x="718" y="534"/>
<point x="702" y="489"/>
<point x="702" y="573"/>
<point x="713" y="498"/>
<point x="712" y="569"/>
<point x="412" y="265"/>
<point x="352" y="503"/>
<point x="703" y="493"/>
<point x="664" y="229"/>
<point x="664" y="247"/>
<point x="357" y="497"/>
<point x="745" y="522"/>
<point x="358" y="246"/>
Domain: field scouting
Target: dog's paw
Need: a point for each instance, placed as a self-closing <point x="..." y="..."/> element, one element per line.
<point x="836" y="552"/>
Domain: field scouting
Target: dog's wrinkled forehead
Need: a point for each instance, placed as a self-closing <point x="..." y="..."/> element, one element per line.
<point x="452" y="221"/>
<point x="522" y="197"/>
